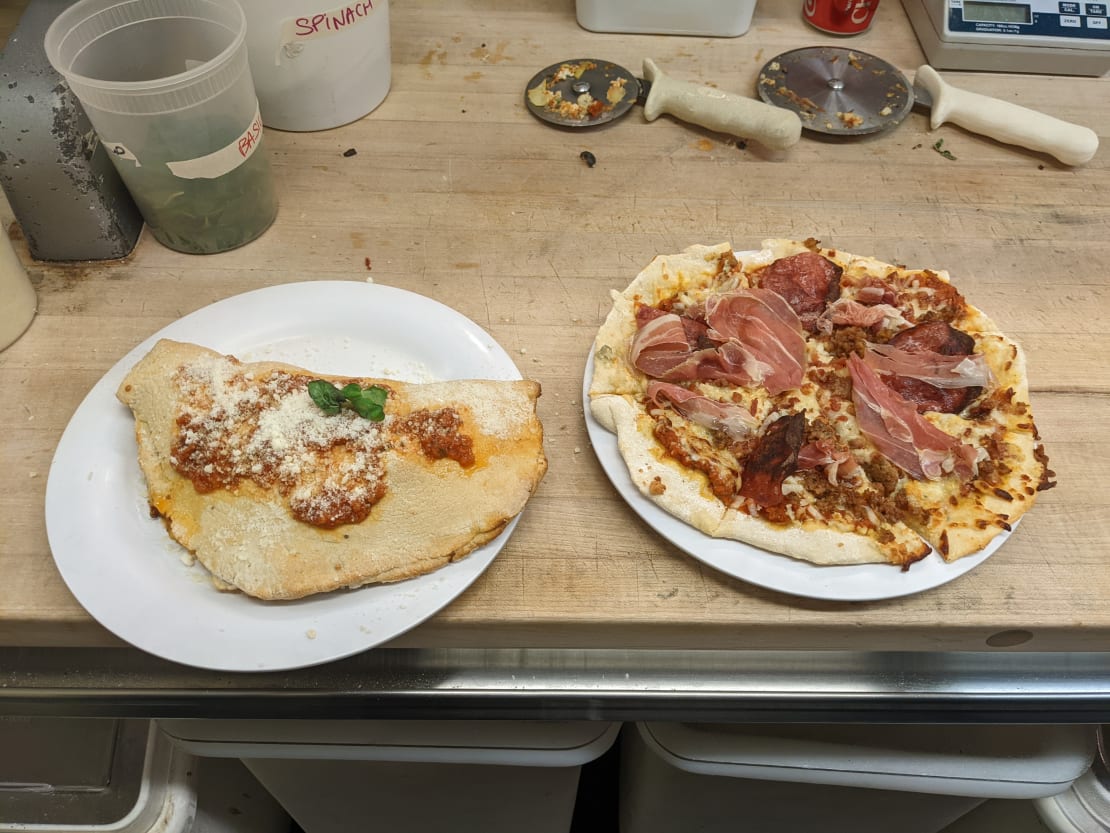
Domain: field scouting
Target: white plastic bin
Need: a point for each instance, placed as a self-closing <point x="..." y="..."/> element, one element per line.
<point x="708" y="18"/>
<point x="836" y="779"/>
<point x="495" y="776"/>
<point x="92" y="775"/>
<point x="1085" y="806"/>
<point x="86" y="775"/>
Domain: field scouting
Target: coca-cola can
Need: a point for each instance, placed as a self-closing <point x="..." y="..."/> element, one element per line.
<point x="840" y="17"/>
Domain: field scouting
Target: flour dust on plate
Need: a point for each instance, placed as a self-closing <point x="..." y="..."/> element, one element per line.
<point x="119" y="563"/>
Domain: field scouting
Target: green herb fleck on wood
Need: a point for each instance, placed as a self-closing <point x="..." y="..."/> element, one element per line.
<point x="938" y="146"/>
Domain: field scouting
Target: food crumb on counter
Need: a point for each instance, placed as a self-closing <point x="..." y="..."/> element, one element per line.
<point x="588" y="158"/>
<point x="310" y="633"/>
<point x="350" y="152"/>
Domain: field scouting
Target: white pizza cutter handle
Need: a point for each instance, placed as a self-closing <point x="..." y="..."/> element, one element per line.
<point x="723" y="112"/>
<point x="1072" y="144"/>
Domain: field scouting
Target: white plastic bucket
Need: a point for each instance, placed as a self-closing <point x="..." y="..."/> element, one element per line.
<point x="838" y="779"/>
<point x="411" y="776"/>
<point x="318" y="64"/>
<point x="1085" y="806"/>
<point x="710" y="18"/>
<point x="167" y="86"/>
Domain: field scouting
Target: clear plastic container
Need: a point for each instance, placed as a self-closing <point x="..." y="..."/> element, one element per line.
<point x="167" y="86"/>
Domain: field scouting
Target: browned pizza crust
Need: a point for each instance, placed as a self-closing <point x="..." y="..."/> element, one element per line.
<point x="876" y="512"/>
<point x="432" y="510"/>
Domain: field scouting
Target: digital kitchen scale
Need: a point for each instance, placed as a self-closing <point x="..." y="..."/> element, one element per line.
<point x="1054" y="37"/>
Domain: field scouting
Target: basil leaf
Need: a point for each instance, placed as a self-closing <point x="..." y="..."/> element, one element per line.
<point x="326" y="396"/>
<point x="367" y="409"/>
<point x="376" y="394"/>
<point x="352" y="391"/>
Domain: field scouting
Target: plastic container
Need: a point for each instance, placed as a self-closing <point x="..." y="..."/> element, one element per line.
<point x="837" y="779"/>
<point x="17" y="296"/>
<point x="1085" y="806"/>
<point x="318" y="64"/>
<point x="414" y="776"/>
<point x="85" y="775"/>
<point x="167" y="86"/>
<point x="712" y="18"/>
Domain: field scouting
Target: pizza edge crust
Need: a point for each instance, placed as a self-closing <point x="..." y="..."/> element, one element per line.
<point x="615" y="379"/>
<point x="248" y="540"/>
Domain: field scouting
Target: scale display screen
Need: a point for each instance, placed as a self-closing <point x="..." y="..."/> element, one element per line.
<point x="1056" y="37"/>
<point x="997" y="12"/>
<point x="1074" y="20"/>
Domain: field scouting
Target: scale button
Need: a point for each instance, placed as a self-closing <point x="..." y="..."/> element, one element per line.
<point x="1070" y="20"/>
<point x="1069" y="8"/>
<point x="1096" y="22"/>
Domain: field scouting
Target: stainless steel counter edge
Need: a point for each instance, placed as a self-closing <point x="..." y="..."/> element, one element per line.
<point x="721" y="686"/>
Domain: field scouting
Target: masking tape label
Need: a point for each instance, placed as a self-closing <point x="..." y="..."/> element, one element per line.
<point x="323" y="24"/>
<point x="224" y="160"/>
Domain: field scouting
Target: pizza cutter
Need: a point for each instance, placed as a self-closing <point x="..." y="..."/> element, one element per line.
<point x="845" y="92"/>
<point x="588" y="92"/>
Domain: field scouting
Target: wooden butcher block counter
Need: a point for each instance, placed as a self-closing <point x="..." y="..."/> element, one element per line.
<point x="457" y="193"/>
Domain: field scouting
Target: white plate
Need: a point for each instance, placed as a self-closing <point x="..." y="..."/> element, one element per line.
<point x="853" y="583"/>
<point x="133" y="579"/>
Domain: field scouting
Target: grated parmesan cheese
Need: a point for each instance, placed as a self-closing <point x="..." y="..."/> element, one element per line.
<point x="269" y="431"/>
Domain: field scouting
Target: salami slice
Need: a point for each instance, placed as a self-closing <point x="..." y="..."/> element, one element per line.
<point x="808" y="282"/>
<point x="934" y="337"/>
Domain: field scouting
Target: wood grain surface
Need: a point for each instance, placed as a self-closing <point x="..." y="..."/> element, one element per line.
<point x="456" y="192"/>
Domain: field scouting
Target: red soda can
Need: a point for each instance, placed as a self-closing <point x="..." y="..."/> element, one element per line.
<point x="840" y="17"/>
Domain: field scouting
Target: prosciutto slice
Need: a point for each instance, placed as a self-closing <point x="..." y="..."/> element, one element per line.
<point x="837" y="462"/>
<point x="900" y="433"/>
<point x="752" y="337"/>
<point x="935" y="368"/>
<point x="849" y="313"/>
<point x="733" y="420"/>
<point x="760" y="333"/>
<point x="661" y="349"/>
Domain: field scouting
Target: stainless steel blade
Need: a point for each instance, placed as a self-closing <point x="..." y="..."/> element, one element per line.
<point x="921" y="95"/>
<point x="839" y="91"/>
<point x="582" y="93"/>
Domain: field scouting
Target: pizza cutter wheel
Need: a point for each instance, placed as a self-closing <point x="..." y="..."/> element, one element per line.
<point x="845" y="92"/>
<point x="587" y="92"/>
<point x="834" y="90"/>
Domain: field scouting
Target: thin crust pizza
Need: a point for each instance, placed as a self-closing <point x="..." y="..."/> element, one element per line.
<point x="817" y="404"/>
<point x="284" y="483"/>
